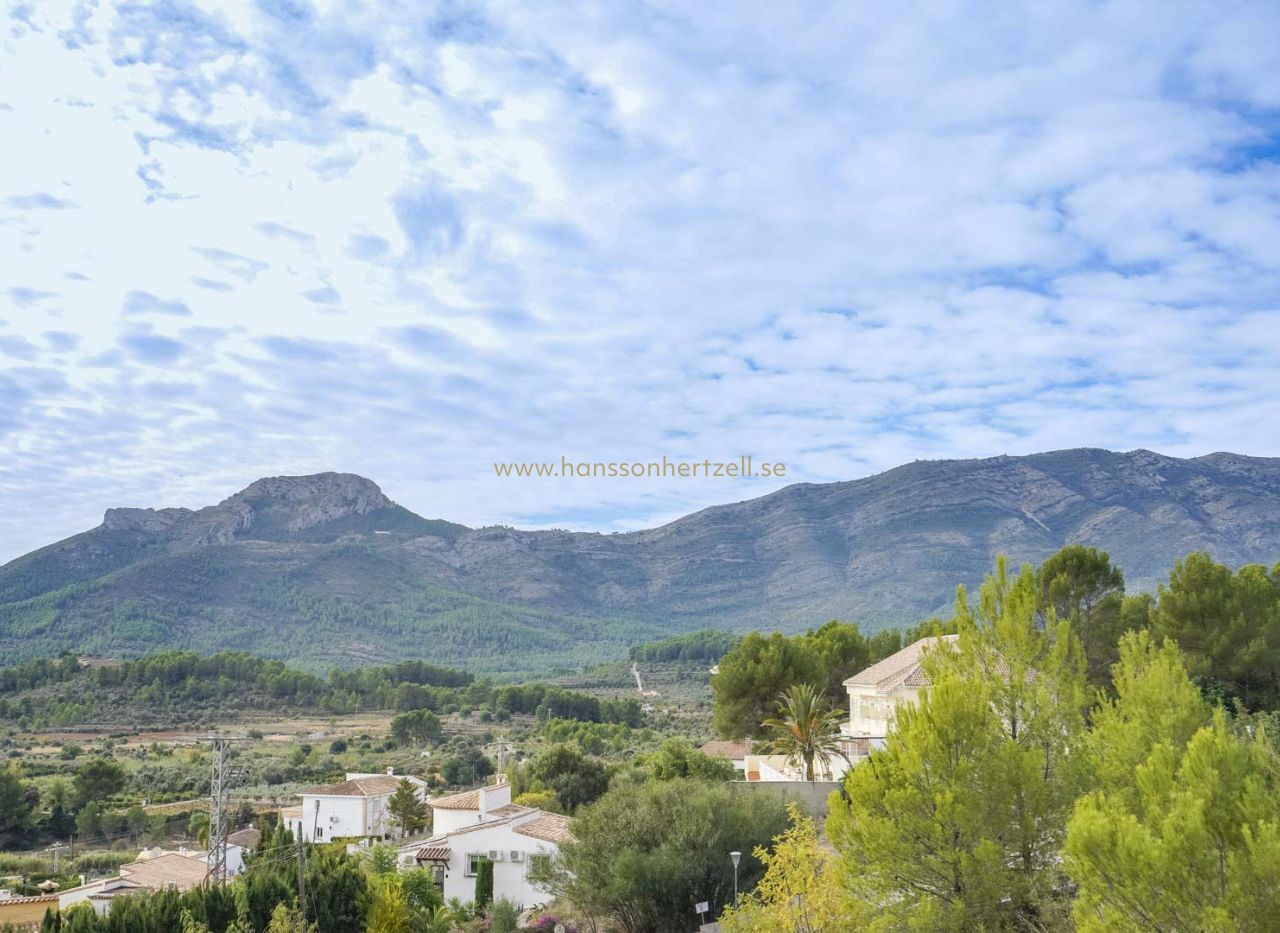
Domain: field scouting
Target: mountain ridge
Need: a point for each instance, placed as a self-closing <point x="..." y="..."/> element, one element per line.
<point x="327" y="569"/>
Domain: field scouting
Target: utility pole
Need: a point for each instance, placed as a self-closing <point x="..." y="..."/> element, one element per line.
<point x="302" y="882"/>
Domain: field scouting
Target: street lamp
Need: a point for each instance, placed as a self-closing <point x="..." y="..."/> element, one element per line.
<point x="735" y="857"/>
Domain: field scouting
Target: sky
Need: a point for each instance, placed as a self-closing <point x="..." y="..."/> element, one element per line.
<point x="410" y="240"/>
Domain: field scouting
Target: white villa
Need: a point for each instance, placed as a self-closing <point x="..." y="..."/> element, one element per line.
<point x="875" y="696"/>
<point x="484" y="823"/>
<point x="352" y="809"/>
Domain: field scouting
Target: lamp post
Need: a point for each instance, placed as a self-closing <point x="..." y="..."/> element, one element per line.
<point x="735" y="857"/>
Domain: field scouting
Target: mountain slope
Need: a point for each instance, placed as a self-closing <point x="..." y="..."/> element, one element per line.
<point x="326" y="570"/>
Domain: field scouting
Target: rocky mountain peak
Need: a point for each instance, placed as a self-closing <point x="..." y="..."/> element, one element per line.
<point x="274" y="503"/>
<point x="297" y="502"/>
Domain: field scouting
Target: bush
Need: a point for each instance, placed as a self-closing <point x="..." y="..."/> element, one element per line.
<point x="643" y="853"/>
<point x="504" y="917"/>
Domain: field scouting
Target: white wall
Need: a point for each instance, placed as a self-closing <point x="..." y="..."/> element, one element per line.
<point x="510" y="879"/>
<point x="338" y="817"/>
<point x="872" y="713"/>
<point x="491" y="798"/>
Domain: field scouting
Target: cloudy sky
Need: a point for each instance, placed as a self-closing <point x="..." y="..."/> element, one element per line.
<point x="408" y="240"/>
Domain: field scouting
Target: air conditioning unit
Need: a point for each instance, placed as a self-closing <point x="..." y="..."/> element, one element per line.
<point x="495" y="855"/>
<point x="516" y="855"/>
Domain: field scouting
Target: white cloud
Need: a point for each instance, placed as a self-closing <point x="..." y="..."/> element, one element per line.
<point x="411" y="241"/>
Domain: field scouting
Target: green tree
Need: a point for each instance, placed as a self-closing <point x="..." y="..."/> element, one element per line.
<point x="89" y="820"/>
<point x="98" y="779"/>
<point x="643" y="854"/>
<point x="60" y="823"/>
<point x="420" y="890"/>
<point x="136" y="819"/>
<point x="1228" y="626"/>
<point x="677" y="758"/>
<point x="417" y="727"/>
<point x="752" y="675"/>
<point x="380" y="860"/>
<point x="80" y="918"/>
<point x="466" y="768"/>
<point x="287" y="918"/>
<point x="408" y="809"/>
<point x="575" y="778"/>
<point x="1080" y="584"/>
<point x="1182" y="831"/>
<point x="337" y="892"/>
<point x="18" y="802"/>
<point x="801" y="891"/>
<point x="484" y="883"/>
<point x="539" y="800"/>
<point x="804" y="729"/>
<point x="388" y="907"/>
<point x="841" y="651"/>
<point x="1155" y="703"/>
<point x="956" y="824"/>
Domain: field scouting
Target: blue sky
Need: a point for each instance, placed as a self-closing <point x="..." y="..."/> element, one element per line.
<point x="411" y="239"/>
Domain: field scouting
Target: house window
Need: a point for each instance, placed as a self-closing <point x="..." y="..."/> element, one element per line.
<point x="437" y="875"/>
<point x="319" y="833"/>
<point x="473" y="863"/>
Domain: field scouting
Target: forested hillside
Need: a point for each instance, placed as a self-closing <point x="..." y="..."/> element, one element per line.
<point x="325" y="570"/>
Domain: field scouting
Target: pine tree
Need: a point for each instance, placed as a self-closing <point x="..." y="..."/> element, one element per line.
<point x="957" y="823"/>
<point x="408" y="809"/>
<point x="1184" y="832"/>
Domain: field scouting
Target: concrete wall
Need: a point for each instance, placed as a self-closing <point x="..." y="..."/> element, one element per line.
<point x="812" y="797"/>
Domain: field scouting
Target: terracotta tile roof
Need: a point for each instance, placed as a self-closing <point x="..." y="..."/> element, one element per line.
<point x="164" y="870"/>
<point x="721" y="749"/>
<point x="111" y="888"/>
<point x="357" y="787"/>
<point x="467" y="800"/>
<point x="433" y="854"/>
<point x="248" y="837"/>
<point x="549" y="827"/>
<point x="902" y="668"/>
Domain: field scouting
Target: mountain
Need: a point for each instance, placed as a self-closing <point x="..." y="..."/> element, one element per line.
<point x="326" y="570"/>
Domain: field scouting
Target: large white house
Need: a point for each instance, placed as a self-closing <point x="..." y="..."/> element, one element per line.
<point x="875" y="696"/>
<point x="877" y="693"/>
<point x="484" y="823"/>
<point x="352" y="809"/>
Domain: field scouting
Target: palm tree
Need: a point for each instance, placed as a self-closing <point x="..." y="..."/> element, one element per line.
<point x="805" y="729"/>
<point x="439" y="919"/>
<point x="198" y="826"/>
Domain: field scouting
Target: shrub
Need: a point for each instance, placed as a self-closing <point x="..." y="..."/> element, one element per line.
<point x="504" y="917"/>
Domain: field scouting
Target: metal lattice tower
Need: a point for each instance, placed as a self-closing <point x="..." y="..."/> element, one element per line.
<point x="219" y="804"/>
<point x="223" y="777"/>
